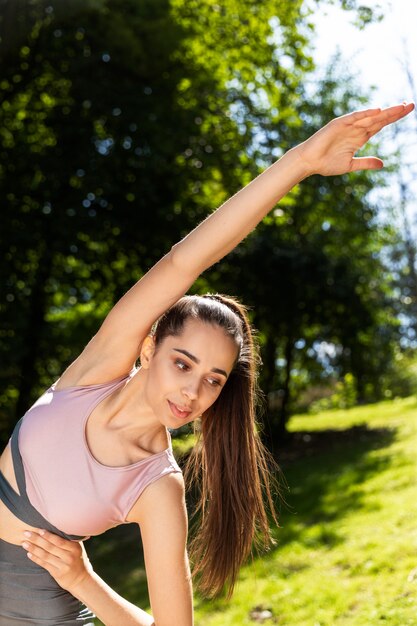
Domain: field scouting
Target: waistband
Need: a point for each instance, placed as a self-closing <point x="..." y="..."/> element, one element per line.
<point x="18" y="503"/>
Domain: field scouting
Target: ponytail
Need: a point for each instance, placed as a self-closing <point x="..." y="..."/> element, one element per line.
<point x="229" y="465"/>
<point x="233" y="470"/>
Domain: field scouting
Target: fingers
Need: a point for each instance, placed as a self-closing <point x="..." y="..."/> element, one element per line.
<point x="45" y="559"/>
<point x="397" y="113"/>
<point x="366" y="163"/>
<point x="331" y="150"/>
<point x="49" y="541"/>
<point x="49" y="550"/>
<point x="389" y="114"/>
<point x="373" y="122"/>
<point x="360" y="126"/>
<point x="369" y="123"/>
<point x="357" y="116"/>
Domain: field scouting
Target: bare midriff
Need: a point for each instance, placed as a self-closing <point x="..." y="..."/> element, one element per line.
<point x="11" y="528"/>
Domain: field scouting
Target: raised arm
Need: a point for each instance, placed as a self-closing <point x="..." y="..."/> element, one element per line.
<point x="329" y="151"/>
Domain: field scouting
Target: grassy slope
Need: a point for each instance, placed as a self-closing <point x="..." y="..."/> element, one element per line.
<point x="347" y="547"/>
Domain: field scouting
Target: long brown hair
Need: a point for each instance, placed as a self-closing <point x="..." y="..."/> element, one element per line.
<point x="229" y="464"/>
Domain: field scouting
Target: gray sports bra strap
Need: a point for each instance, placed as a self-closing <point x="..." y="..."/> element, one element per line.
<point x="8" y="495"/>
<point x="17" y="459"/>
<point x="18" y="503"/>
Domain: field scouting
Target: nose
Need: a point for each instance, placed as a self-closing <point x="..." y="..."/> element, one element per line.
<point x="190" y="390"/>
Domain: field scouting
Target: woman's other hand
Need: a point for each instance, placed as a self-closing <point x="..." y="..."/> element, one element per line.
<point x="331" y="150"/>
<point x="65" y="560"/>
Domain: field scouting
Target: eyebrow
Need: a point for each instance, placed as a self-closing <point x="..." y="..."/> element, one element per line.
<point x="196" y="360"/>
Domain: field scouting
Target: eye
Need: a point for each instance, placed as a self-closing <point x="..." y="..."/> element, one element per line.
<point x="181" y="365"/>
<point x="213" y="382"/>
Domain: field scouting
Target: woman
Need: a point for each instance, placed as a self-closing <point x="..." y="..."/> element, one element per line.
<point x="94" y="451"/>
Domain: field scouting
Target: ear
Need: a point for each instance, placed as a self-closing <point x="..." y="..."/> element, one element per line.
<point x="147" y="351"/>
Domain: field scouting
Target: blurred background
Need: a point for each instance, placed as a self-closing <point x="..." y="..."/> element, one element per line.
<point x="123" y="123"/>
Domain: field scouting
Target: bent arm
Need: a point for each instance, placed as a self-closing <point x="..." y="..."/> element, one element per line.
<point x="161" y="514"/>
<point x="162" y="517"/>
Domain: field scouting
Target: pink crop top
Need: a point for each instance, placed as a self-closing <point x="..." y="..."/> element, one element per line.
<point x="64" y="482"/>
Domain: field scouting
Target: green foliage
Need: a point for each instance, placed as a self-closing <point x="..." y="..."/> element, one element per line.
<point x="325" y="305"/>
<point x="81" y="142"/>
<point x="400" y="378"/>
<point x="121" y="125"/>
<point x="345" y="396"/>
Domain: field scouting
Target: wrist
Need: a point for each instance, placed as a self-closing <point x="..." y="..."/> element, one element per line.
<point x="106" y="604"/>
<point x="81" y="583"/>
<point x="302" y="168"/>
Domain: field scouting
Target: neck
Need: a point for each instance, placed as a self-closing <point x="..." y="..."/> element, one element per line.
<point x="130" y="414"/>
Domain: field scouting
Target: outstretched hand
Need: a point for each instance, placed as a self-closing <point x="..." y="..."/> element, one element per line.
<point x="332" y="149"/>
<point x="65" y="560"/>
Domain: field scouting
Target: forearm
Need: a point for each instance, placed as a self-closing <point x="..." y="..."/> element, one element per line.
<point x="236" y="218"/>
<point x="110" y="607"/>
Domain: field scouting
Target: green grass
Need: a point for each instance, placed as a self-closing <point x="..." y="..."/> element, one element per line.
<point x="347" y="546"/>
<point x="346" y="552"/>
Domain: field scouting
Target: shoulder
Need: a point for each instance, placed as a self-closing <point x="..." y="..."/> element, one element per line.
<point x="169" y="487"/>
<point x="165" y="496"/>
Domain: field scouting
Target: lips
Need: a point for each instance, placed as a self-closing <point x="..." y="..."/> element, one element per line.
<point x="179" y="411"/>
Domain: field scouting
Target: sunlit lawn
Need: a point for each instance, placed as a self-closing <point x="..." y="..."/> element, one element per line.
<point x="347" y="546"/>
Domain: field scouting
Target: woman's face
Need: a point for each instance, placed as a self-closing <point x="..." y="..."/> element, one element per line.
<point x="187" y="372"/>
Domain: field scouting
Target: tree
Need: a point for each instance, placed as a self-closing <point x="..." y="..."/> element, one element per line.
<point x="122" y="123"/>
<point x="120" y="126"/>
<point x="314" y="273"/>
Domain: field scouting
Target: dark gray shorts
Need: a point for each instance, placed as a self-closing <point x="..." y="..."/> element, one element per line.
<point x="29" y="596"/>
